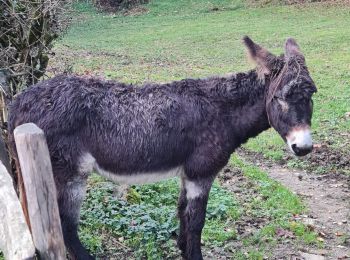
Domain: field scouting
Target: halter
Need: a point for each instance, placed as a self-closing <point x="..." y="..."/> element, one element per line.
<point x="271" y="93"/>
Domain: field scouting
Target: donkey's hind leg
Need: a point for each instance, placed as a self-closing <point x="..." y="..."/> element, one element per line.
<point x="70" y="197"/>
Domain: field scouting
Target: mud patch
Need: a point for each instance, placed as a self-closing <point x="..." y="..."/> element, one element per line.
<point x="324" y="159"/>
<point x="338" y="160"/>
<point x="244" y="189"/>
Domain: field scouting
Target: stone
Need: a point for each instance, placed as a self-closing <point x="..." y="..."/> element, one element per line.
<point x="308" y="256"/>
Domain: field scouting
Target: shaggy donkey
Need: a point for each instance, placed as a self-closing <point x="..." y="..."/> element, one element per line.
<point x="187" y="128"/>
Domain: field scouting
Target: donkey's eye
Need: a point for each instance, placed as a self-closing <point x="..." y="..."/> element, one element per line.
<point x="284" y="105"/>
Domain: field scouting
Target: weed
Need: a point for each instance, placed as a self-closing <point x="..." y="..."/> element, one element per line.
<point x="147" y="224"/>
<point x="250" y="254"/>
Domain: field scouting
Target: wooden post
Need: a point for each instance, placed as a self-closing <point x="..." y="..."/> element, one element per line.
<point x="33" y="155"/>
<point x="15" y="239"/>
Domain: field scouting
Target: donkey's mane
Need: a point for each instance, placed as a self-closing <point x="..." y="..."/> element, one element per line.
<point x="276" y="80"/>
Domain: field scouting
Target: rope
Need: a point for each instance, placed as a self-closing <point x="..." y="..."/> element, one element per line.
<point x="275" y="83"/>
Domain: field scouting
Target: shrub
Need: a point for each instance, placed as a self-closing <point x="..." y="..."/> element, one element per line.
<point x="27" y="30"/>
<point x="118" y="5"/>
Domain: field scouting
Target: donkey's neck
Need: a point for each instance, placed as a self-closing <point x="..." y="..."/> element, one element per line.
<point x="246" y="106"/>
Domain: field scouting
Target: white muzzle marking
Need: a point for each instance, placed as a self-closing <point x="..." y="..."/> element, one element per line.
<point x="301" y="137"/>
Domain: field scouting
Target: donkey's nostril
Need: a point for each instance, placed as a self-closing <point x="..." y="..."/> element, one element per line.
<point x="295" y="149"/>
<point x="301" y="151"/>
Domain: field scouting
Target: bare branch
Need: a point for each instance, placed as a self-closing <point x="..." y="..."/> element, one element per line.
<point x="27" y="30"/>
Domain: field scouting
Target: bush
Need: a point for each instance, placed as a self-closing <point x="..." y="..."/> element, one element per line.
<point x="27" y="30"/>
<point x="118" y="5"/>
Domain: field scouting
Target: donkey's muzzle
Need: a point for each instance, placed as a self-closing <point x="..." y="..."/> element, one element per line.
<point x="301" y="151"/>
<point x="299" y="141"/>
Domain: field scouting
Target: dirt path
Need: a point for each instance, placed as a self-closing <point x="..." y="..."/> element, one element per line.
<point x="327" y="198"/>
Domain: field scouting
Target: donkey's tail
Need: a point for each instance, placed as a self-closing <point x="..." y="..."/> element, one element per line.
<point x="13" y="122"/>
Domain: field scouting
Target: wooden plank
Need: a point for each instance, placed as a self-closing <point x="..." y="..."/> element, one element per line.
<point x="5" y="159"/>
<point x="15" y="239"/>
<point x="33" y="155"/>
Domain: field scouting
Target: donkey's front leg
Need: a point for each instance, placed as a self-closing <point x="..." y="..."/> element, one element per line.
<point x="182" y="204"/>
<point x="197" y="193"/>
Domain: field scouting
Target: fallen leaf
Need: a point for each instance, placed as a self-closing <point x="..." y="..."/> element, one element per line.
<point x="280" y="232"/>
<point x="320" y="239"/>
<point x="322" y="234"/>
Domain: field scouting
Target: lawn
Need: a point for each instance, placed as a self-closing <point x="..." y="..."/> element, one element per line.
<point x="171" y="40"/>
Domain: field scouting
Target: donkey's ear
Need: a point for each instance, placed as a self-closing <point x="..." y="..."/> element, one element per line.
<point x="262" y="57"/>
<point x="292" y="49"/>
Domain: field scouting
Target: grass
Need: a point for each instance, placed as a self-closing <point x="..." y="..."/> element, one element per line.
<point x="179" y="39"/>
<point x="276" y="200"/>
<point x="275" y="204"/>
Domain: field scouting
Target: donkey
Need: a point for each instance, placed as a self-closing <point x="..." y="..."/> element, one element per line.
<point x="188" y="128"/>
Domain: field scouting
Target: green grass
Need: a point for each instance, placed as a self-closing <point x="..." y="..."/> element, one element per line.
<point x="179" y="39"/>
<point x="275" y="200"/>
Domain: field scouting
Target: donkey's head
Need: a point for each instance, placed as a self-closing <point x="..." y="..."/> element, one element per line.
<point x="289" y="89"/>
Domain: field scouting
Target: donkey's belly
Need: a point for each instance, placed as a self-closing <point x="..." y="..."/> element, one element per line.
<point x="88" y="164"/>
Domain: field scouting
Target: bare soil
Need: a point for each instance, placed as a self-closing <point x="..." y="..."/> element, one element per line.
<point x="324" y="157"/>
<point x="328" y="199"/>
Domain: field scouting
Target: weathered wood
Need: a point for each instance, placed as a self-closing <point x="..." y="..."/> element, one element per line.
<point x="4" y="157"/>
<point x="15" y="239"/>
<point x="33" y="155"/>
